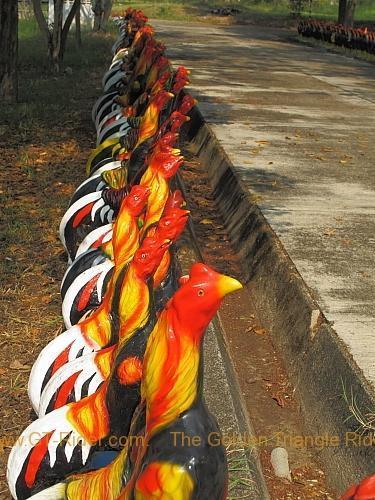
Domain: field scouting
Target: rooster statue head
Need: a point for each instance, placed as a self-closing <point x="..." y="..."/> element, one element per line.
<point x="197" y="300"/>
<point x="175" y="199"/>
<point x="172" y="223"/>
<point x="147" y="258"/>
<point x="135" y="201"/>
<point x="188" y="102"/>
<point x="166" y="162"/>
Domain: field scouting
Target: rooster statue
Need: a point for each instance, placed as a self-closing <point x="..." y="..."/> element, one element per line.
<point x="160" y="464"/>
<point x="88" y="274"/>
<point x="162" y="166"/>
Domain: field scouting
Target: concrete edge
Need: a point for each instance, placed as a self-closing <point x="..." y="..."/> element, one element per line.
<point x="318" y="362"/>
<point x="241" y="415"/>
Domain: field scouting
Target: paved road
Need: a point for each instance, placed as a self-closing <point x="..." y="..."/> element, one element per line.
<point x="313" y="173"/>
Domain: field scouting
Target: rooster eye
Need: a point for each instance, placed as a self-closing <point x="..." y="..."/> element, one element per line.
<point x="200" y="293"/>
<point x="136" y="198"/>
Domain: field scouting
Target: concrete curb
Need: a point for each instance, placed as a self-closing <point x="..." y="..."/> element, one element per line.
<point x="317" y="361"/>
<point x="220" y="372"/>
<point x="221" y="388"/>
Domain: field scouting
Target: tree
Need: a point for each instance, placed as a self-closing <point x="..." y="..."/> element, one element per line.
<point x="57" y="34"/>
<point x="346" y="12"/>
<point x="102" y="10"/>
<point x="9" y="49"/>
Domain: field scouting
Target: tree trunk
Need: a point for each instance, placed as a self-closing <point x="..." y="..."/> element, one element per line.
<point x="57" y="48"/>
<point x="346" y="12"/>
<point x="78" y="27"/>
<point x="68" y="22"/>
<point x="43" y="26"/>
<point x="9" y="49"/>
<point x="350" y="10"/>
<point x="58" y="34"/>
<point x="98" y="9"/>
<point x="106" y="13"/>
<point x="102" y="10"/>
<point x="342" y="12"/>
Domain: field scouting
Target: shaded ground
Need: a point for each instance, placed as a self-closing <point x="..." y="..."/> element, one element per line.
<point x="44" y="141"/>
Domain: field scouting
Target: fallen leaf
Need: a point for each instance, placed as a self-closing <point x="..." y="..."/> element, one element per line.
<point x="279" y="400"/>
<point x="17" y="365"/>
<point x="206" y="221"/>
<point x="260" y="331"/>
<point x="329" y="231"/>
<point x="46" y="299"/>
<point x="2" y="371"/>
<point x="262" y="142"/>
<point x="343" y="161"/>
<point x="257" y="330"/>
<point x="270" y="163"/>
<point x="346" y="242"/>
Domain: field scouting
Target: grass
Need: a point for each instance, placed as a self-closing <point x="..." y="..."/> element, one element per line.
<point x="240" y="483"/>
<point x="251" y="10"/>
<point x="365" y="420"/>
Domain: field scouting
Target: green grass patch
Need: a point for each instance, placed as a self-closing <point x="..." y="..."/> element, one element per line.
<point x="251" y="10"/>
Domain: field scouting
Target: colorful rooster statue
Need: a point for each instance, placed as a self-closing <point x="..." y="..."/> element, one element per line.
<point x="162" y="165"/>
<point x="171" y="456"/>
<point x="85" y="280"/>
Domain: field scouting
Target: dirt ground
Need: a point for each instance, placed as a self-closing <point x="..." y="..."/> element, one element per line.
<point x="44" y="142"/>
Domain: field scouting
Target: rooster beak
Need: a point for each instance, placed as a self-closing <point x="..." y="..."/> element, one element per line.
<point x="228" y="285"/>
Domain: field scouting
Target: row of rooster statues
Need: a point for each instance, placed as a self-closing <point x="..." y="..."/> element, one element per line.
<point x="343" y="36"/>
<point x="112" y="391"/>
